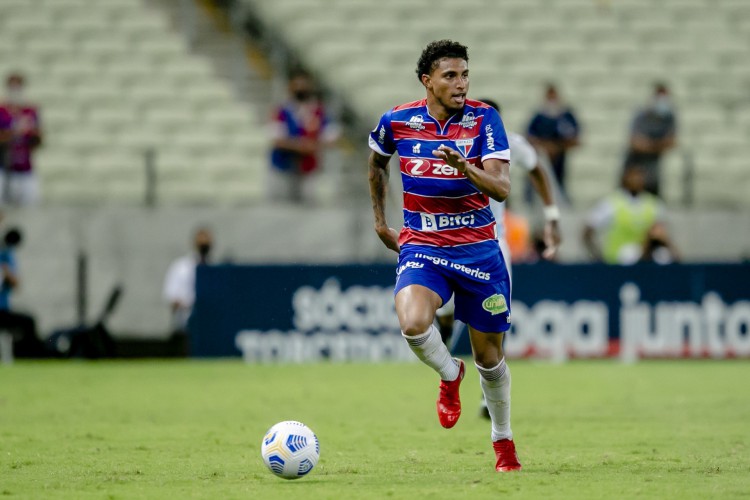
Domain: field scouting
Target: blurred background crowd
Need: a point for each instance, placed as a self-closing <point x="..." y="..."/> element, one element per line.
<point x="136" y="131"/>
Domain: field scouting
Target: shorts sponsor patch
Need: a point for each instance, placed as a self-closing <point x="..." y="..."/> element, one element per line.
<point x="495" y="304"/>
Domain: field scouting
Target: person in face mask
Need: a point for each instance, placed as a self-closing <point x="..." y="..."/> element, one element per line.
<point x="652" y="133"/>
<point x="300" y="128"/>
<point x="179" y="283"/>
<point x="554" y="130"/>
<point x="20" y="136"/>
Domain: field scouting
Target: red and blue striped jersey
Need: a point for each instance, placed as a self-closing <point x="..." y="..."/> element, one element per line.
<point x="442" y="208"/>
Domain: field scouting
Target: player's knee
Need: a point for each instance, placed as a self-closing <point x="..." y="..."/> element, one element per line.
<point x="415" y="325"/>
<point x="488" y="359"/>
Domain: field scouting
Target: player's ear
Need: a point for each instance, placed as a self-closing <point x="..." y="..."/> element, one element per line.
<point x="426" y="81"/>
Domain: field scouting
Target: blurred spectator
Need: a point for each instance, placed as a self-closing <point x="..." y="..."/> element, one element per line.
<point x="299" y="129"/>
<point x="22" y="327"/>
<point x="20" y="135"/>
<point x="179" y="283"/>
<point x="554" y="130"/>
<point x="629" y="223"/>
<point x="652" y="133"/>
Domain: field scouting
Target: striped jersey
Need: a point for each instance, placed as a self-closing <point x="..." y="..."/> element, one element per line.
<point x="442" y="208"/>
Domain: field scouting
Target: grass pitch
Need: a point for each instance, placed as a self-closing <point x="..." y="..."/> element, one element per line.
<point x="190" y="429"/>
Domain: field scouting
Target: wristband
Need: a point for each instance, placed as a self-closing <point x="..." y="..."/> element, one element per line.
<point x="551" y="213"/>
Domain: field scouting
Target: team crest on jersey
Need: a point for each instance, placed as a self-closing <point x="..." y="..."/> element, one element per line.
<point x="464" y="145"/>
<point x="416" y="122"/>
<point x="468" y="120"/>
<point x="495" y="304"/>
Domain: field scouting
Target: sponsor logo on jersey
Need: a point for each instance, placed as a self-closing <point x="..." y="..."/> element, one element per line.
<point x="416" y="122"/>
<point x="381" y="135"/>
<point x="409" y="265"/>
<point x="490" y="140"/>
<point x="419" y="167"/>
<point x="432" y="222"/>
<point x="468" y="120"/>
<point x="464" y="145"/>
<point x="415" y="149"/>
<point x="495" y="304"/>
<point x="474" y="272"/>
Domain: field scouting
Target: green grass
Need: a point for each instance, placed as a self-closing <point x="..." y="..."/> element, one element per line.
<point x="188" y="429"/>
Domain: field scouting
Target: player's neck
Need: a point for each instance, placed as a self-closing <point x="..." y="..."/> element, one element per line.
<point x="437" y="110"/>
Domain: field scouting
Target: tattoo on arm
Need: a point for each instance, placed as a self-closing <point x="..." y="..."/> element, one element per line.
<point x="378" y="177"/>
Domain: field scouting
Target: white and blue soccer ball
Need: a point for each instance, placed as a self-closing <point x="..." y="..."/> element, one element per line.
<point x="290" y="449"/>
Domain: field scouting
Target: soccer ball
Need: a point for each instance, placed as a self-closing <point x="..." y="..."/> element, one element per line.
<point x="290" y="449"/>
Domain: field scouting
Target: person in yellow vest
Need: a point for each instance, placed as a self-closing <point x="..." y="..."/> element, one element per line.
<point x="617" y="229"/>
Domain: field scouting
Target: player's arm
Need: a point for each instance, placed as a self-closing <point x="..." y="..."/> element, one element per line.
<point x="299" y="145"/>
<point x="552" y="238"/>
<point x="378" y="177"/>
<point x="493" y="179"/>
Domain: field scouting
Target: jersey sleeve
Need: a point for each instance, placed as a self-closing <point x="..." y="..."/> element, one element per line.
<point x="522" y="154"/>
<point x="381" y="138"/>
<point x="493" y="137"/>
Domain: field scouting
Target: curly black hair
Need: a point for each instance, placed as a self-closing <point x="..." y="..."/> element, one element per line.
<point x="437" y="50"/>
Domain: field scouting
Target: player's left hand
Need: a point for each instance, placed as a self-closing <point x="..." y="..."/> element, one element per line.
<point x="451" y="157"/>
<point x="552" y="239"/>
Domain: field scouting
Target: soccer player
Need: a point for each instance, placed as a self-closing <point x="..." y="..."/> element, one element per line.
<point x="522" y="154"/>
<point x="454" y="157"/>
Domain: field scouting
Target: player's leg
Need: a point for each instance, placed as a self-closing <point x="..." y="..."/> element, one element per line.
<point x="505" y="249"/>
<point x="415" y="307"/>
<point x="445" y="320"/>
<point x="494" y="377"/>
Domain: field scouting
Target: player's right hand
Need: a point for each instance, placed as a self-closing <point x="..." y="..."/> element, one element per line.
<point x="389" y="237"/>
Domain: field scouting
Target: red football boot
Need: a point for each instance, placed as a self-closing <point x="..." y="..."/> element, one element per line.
<point x="449" y="401"/>
<point x="507" y="460"/>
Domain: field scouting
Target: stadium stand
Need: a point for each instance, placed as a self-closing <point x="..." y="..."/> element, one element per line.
<point x="116" y="78"/>
<point x="605" y="56"/>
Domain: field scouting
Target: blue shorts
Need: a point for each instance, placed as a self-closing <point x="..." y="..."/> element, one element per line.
<point x="481" y="288"/>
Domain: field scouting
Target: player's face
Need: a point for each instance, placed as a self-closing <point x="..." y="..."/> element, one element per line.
<point x="449" y="83"/>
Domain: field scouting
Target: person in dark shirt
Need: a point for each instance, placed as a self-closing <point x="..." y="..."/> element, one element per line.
<point x="652" y="133"/>
<point x="554" y="130"/>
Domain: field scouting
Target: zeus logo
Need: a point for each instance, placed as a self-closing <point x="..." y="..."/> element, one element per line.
<point x="417" y="167"/>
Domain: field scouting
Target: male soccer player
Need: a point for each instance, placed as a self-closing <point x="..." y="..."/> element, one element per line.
<point x="522" y="154"/>
<point x="453" y="156"/>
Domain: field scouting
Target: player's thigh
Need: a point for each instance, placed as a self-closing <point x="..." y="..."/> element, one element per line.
<point x="421" y="287"/>
<point x="485" y="305"/>
<point x="487" y="347"/>
<point x="415" y="307"/>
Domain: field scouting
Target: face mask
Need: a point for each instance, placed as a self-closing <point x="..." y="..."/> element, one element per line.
<point x="302" y="95"/>
<point x="662" y="105"/>
<point x="203" y="250"/>
<point x="15" y="95"/>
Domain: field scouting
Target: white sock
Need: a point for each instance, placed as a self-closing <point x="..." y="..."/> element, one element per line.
<point x="430" y="349"/>
<point x="495" y="384"/>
